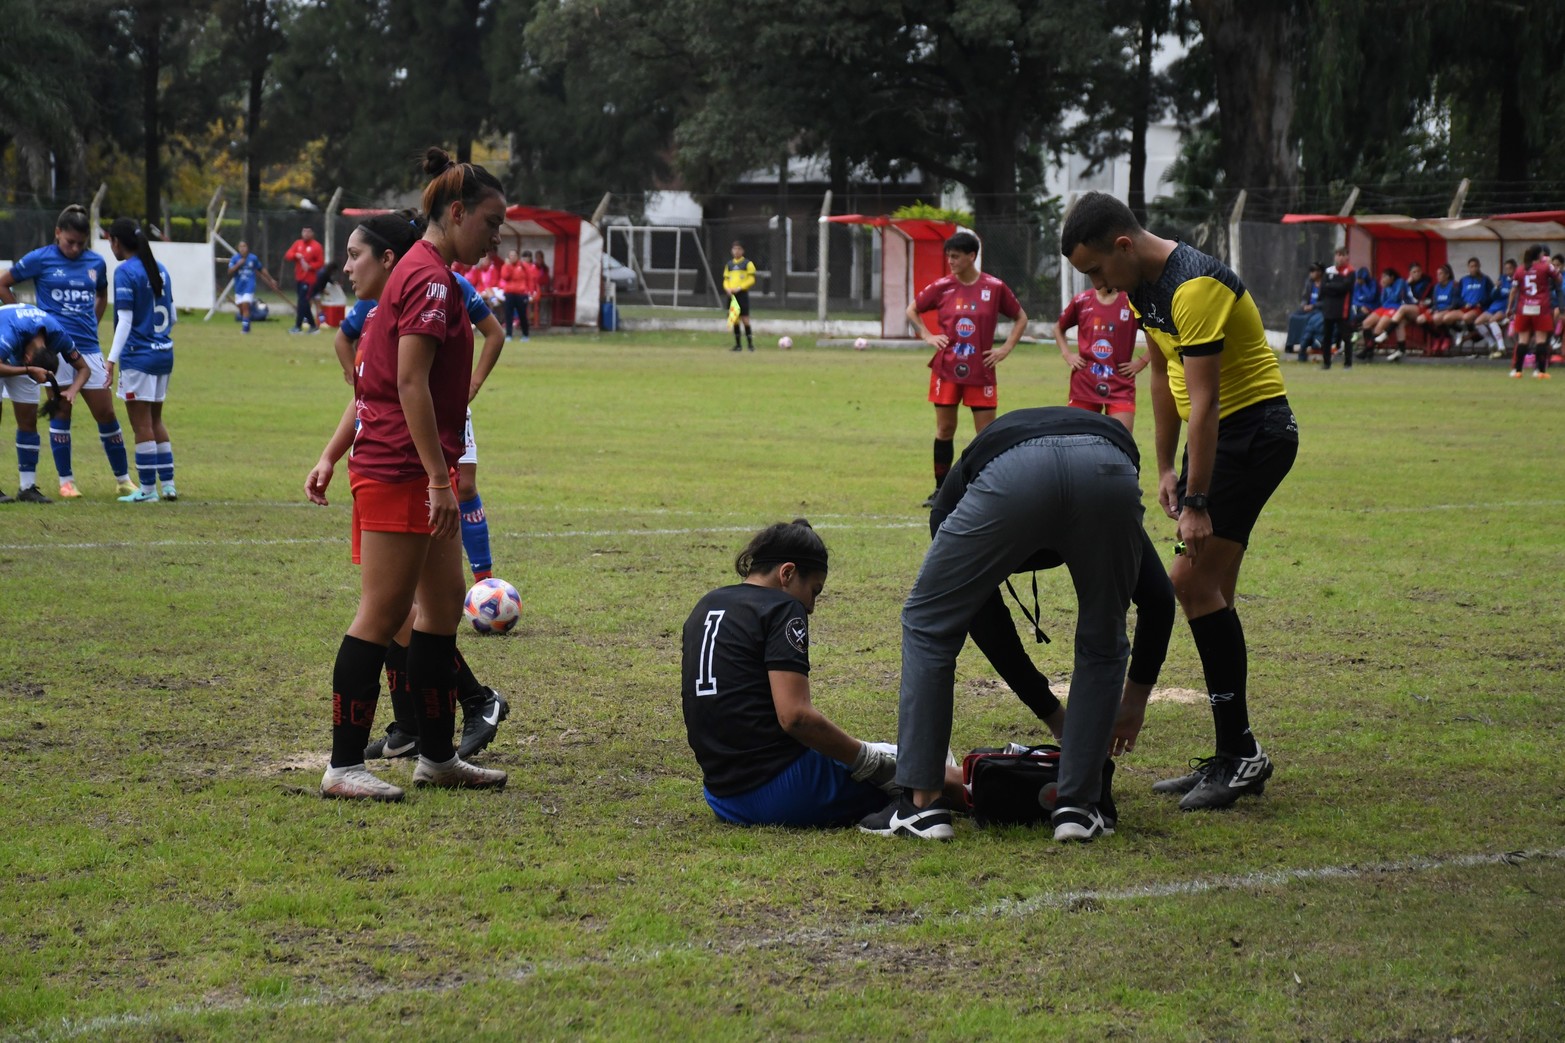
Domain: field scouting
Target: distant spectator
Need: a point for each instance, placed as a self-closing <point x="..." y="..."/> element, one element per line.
<point x="1445" y="311"/>
<point x="516" y="282"/>
<point x="1366" y="297"/>
<point x="1335" y="289"/>
<point x="1393" y="293"/>
<point x="1497" y="316"/>
<point x="308" y="259"/>
<point x="1304" y="325"/>
<point x="1414" y="308"/>
<point x="1475" y="289"/>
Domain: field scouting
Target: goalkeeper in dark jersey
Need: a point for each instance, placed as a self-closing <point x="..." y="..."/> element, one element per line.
<point x="767" y="755"/>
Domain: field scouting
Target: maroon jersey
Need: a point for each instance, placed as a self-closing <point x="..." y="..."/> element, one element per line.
<point x="420" y="298"/>
<point x="1106" y="338"/>
<point x="1533" y="287"/>
<point x="967" y="316"/>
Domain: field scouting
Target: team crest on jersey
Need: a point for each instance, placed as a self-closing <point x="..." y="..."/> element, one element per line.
<point x="798" y="633"/>
<point x="1124" y="315"/>
<point x="966" y="327"/>
<point x="983" y="295"/>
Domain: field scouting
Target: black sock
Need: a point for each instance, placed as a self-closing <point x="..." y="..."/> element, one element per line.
<point x="748" y="336"/>
<point x="1519" y="356"/>
<point x="736" y="335"/>
<point x="432" y="675"/>
<point x="355" y="688"/>
<point x="403" y="708"/>
<point x="467" y="686"/>
<point x="1219" y="640"/>
<point x="945" y="452"/>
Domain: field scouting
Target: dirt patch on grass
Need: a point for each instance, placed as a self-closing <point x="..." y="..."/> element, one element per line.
<point x="313" y="761"/>
<point x="1177" y="695"/>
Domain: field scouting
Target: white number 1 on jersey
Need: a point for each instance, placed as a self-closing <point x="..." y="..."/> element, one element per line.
<point x="706" y="681"/>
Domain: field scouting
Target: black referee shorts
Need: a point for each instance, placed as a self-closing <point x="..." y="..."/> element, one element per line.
<point x="1256" y="447"/>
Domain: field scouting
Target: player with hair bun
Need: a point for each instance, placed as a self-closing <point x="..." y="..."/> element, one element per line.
<point x="70" y="283"/>
<point x="374" y="248"/>
<point x="767" y="755"/>
<point x="411" y="385"/>
<point x="1531" y="303"/>
<point x="969" y="304"/>
<point x="143" y="317"/>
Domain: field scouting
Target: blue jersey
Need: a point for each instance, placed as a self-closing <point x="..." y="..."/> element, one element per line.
<point x="67" y="289"/>
<point x="1418" y="292"/>
<point x="20" y="323"/>
<point x="1366" y="293"/>
<point x="1312" y="292"/>
<point x="1395" y="295"/>
<point x="243" y="268"/>
<point x="477" y="311"/>
<point x="1446" y="297"/>
<point x="1502" y="295"/>
<point x="150" y="348"/>
<point x="1476" y="290"/>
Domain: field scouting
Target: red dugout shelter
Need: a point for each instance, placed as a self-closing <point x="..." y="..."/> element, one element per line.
<point x="912" y="256"/>
<point x="1379" y="241"/>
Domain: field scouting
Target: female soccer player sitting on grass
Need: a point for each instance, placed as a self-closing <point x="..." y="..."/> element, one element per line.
<point x="767" y="755"/>
<point x="406" y="427"/>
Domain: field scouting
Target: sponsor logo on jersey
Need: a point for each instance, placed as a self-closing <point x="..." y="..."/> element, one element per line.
<point x="798" y="633"/>
<point x="964" y="350"/>
<point x="436" y="291"/>
<point x="1102" y="389"/>
<point x="431" y="315"/>
<point x="961" y="370"/>
<point x="1102" y="349"/>
<point x="966" y="327"/>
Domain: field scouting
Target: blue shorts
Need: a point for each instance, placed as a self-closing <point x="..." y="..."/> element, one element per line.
<point x="812" y="791"/>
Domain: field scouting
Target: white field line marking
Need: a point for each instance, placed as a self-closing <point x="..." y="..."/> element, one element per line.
<point x="695" y="531"/>
<point x="562" y="535"/>
<point x="66" y="1028"/>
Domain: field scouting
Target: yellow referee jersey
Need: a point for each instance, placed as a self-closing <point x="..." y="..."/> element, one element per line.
<point x="1197" y="307"/>
<point x="738" y="275"/>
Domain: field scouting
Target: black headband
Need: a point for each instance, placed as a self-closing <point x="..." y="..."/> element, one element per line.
<point x="806" y="564"/>
<point x="370" y="234"/>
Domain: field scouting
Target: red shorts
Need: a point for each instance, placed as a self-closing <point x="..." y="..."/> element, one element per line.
<point x="1118" y="405"/>
<point x="389" y="507"/>
<point x="1543" y="322"/>
<point x="1385" y="311"/>
<point x="950" y="393"/>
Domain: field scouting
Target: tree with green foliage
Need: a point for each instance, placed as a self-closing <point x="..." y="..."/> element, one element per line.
<point x="41" y="105"/>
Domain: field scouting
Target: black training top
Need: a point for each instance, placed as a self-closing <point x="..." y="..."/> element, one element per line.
<point x="733" y="638"/>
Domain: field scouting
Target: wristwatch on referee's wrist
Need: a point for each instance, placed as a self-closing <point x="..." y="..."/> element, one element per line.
<point x="1196" y="500"/>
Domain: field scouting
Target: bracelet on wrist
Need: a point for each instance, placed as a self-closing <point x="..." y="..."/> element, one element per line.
<point x="432" y="488"/>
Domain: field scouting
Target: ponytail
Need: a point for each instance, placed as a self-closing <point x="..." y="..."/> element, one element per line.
<point x="129" y="235"/>
<point x="452" y="181"/>
<point x="74" y="219"/>
<point x="793" y="541"/>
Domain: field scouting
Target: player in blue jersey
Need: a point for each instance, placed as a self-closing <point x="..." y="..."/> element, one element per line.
<point x="69" y="282"/>
<point x="244" y="267"/>
<point x="144" y="351"/>
<point x="1475" y="290"/>
<point x="1496" y="320"/>
<point x="33" y="345"/>
<point x="373" y="250"/>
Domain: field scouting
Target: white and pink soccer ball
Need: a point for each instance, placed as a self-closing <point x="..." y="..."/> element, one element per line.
<point x="860" y="344"/>
<point x="493" y="606"/>
<point x="785" y="343"/>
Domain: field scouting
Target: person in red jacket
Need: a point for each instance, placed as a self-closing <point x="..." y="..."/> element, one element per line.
<point x="308" y="259"/>
<point x="517" y="283"/>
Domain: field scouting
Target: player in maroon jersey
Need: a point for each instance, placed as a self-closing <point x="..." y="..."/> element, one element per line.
<point x="406" y="424"/>
<point x="968" y="305"/>
<point x="1103" y="369"/>
<point x="1532" y="304"/>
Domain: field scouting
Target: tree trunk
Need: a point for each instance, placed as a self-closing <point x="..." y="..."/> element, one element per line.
<point x="1254" y="48"/>
<point x="1137" y="196"/>
<point x="1510" y="152"/>
<point x="151" y="141"/>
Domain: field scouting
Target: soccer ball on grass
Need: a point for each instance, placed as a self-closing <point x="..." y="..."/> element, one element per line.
<point x="785" y="343"/>
<point x="860" y="344"/>
<point x="492" y="606"/>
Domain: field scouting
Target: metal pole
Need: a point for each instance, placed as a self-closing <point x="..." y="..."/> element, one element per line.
<point x="1067" y="273"/>
<point x="1235" y="250"/>
<point x="603" y="208"/>
<point x="1458" y="199"/>
<point x="94" y="212"/>
<point x="679" y="240"/>
<point x="1347" y="207"/>
<point x="330" y="230"/>
<point x="823" y="258"/>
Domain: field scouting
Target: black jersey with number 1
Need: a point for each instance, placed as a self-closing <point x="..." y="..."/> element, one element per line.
<point x="733" y="638"/>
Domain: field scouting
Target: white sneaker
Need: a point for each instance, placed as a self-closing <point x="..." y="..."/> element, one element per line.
<point x="456" y="773"/>
<point x="356" y="783"/>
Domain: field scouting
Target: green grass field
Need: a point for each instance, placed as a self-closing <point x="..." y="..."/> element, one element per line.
<point x="168" y="872"/>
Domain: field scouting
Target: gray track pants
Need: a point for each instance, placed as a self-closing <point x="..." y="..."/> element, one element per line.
<point x="1077" y="495"/>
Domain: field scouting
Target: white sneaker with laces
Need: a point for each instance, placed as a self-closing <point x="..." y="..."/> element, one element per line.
<point x="356" y="783"/>
<point x="456" y="773"/>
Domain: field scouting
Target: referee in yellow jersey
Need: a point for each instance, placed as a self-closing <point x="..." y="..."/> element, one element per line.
<point x="1213" y="371"/>
<point x="738" y="277"/>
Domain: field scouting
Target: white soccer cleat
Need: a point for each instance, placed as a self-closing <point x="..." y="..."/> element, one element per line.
<point x="456" y="773"/>
<point x="356" y="783"/>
